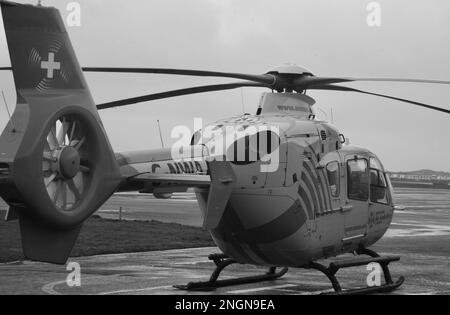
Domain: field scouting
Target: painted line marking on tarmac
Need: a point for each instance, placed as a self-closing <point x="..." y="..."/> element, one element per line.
<point x="421" y="293"/>
<point x="298" y="292"/>
<point x="50" y="287"/>
<point x="191" y="262"/>
<point x="243" y="291"/>
<point x="136" y="290"/>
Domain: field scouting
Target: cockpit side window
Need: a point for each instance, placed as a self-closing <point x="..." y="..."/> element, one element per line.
<point x="333" y="178"/>
<point x="358" y="179"/>
<point x="379" y="186"/>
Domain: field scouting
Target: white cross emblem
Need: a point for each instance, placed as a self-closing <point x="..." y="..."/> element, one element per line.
<point x="51" y="65"/>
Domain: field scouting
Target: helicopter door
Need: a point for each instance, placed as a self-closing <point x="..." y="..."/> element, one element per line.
<point x="357" y="214"/>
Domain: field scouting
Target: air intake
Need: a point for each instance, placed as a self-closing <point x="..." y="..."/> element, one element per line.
<point x="4" y="169"/>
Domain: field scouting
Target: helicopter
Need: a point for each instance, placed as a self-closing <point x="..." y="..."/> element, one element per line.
<point x="278" y="189"/>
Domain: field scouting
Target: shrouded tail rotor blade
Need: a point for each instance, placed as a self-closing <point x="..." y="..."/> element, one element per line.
<point x="174" y="93"/>
<point x="263" y="78"/>
<point x="347" y="89"/>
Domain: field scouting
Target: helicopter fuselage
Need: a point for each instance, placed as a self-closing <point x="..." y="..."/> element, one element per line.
<point x="323" y="199"/>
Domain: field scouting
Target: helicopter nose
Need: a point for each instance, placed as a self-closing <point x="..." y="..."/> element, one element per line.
<point x="260" y="220"/>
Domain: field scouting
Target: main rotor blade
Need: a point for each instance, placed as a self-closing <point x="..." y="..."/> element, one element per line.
<point x="307" y="82"/>
<point x="260" y="78"/>
<point x="5" y="68"/>
<point x="347" y="89"/>
<point x="400" y="80"/>
<point x="174" y="93"/>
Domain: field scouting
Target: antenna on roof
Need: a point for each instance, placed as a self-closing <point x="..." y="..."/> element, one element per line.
<point x="160" y="134"/>
<point x="7" y="110"/>
<point x="242" y="101"/>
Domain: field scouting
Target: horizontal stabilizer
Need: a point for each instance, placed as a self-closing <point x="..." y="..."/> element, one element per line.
<point x="188" y="180"/>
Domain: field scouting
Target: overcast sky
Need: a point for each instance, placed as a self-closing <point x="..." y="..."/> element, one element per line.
<point x="328" y="37"/>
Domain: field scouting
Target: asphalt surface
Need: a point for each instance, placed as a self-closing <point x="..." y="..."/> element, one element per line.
<point x="420" y="235"/>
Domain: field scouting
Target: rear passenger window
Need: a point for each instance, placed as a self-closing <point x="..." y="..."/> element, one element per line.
<point x="358" y="179"/>
<point x="333" y="178"/>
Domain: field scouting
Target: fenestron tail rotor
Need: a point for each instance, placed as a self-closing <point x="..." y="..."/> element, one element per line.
<point x="65" y="163"/>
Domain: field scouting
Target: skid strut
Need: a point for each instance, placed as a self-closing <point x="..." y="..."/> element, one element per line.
<point x="222" y="261"/>
<point x="334" y="267"/>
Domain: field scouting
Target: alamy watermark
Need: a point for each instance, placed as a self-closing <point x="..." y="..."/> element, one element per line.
<point x="74" y="277"/>
<point x="374" y="16"/>
<point x="74" y="14"/>
<point x="73" y="9"/>
<point x="374" y="277"/>
<point x="237" y="143"/>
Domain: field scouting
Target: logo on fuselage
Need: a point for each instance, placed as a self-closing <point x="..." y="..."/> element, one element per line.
<point x="51" y="65"/>
<point x="191" y="167"/>
<point x="291" y="108"/>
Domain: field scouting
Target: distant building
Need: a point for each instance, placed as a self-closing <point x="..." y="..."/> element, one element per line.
<point x="418" y="177"/>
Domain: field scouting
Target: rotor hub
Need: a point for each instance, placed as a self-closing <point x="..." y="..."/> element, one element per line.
<point x="285" y="76"/>
<point x="289" y="68"/>
<point x="68" y="162"/>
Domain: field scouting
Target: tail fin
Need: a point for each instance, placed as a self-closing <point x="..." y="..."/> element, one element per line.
<point x="57" y="163"/>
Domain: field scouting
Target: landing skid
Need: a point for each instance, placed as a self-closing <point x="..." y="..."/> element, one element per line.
<point x="333" y="268"/>
<point x="222" y="261"/>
